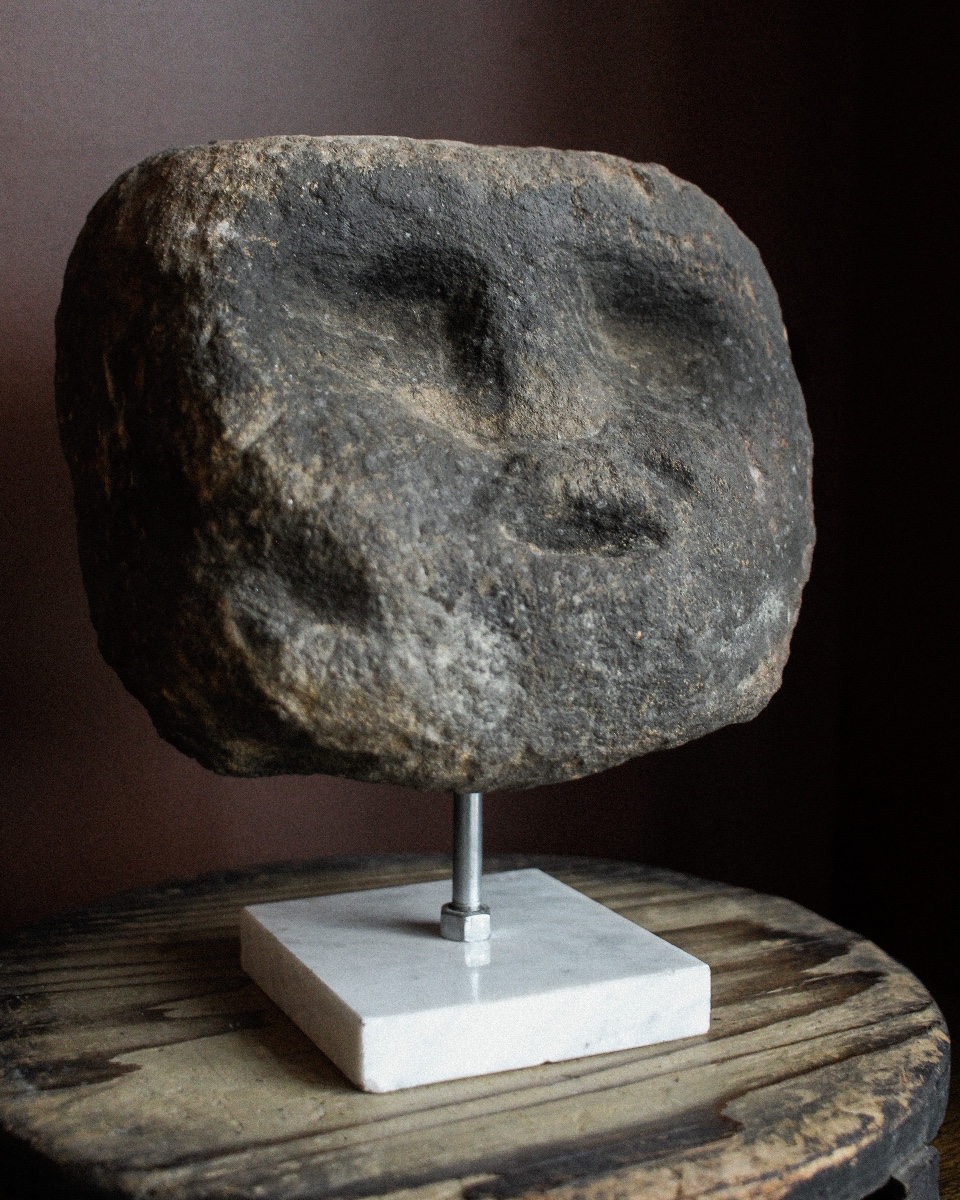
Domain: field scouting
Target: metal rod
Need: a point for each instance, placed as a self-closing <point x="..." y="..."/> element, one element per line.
<point x="466" y="918"/>
<point x="467" y="849"/>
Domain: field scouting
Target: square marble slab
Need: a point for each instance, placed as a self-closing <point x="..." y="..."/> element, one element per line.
<point x="368" y="978"/>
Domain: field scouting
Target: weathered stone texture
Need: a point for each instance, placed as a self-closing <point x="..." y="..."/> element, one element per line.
<point x="445" y="465"/>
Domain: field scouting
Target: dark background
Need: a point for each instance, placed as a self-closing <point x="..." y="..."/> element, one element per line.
<point x="820" y="127"/>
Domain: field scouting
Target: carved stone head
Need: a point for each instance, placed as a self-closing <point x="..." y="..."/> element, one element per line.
<point x="443" y="465"/>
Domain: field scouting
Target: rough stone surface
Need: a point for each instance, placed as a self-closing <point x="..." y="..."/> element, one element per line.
<point x="444" y="465"/>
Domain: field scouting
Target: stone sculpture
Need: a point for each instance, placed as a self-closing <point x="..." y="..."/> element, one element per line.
<point x="443" y="465"/>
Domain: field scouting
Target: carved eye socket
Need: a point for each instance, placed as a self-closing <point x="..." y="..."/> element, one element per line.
<point x="654" y="289"/>
<point x="440" y="303"/>
<point x="413" y="325"/>
<point x="667" y="331"/>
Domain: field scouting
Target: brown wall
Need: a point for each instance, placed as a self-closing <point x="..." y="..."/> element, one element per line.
<point x="759" y="102"/>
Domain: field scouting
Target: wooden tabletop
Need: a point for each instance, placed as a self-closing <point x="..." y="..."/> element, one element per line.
<point x="137" y="1060"/>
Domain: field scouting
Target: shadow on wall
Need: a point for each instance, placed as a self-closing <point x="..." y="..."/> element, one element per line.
<point x="748" y="103"/>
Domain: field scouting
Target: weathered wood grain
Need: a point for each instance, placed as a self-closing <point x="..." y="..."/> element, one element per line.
<point x="137" y="1060"/>
<point x="948" y="1145"/>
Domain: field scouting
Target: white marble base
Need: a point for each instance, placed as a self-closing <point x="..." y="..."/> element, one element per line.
<point x="368" y="978"/>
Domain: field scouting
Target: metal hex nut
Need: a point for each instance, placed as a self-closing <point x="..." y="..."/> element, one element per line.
<point x="458" y="925"/>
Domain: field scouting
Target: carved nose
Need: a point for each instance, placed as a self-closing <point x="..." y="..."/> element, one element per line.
<point x="548" y="361"/>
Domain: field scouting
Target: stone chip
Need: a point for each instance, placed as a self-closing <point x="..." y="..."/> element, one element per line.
<point x="452" y="466"/>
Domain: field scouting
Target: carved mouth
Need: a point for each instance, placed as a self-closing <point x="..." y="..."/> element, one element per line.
<point x="581" y="525"/>
<point x="577" y="502"/>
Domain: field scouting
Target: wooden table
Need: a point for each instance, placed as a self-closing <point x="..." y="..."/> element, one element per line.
<point x="137" y="1060"/>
